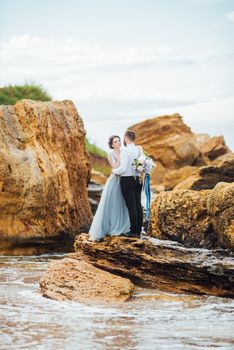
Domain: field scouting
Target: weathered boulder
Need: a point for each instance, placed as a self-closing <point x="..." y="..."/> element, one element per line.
<point x="181" y="215"/>
<point x="174" y="177"/>
<point x="44" y="170"/>
<point x="195" y="218"/>
<point x="168" y="140"/>
<point x="221" y="170"/>
<point x="177" y="151"/>
<point x="220" y="207"/>
<point x="214" y="147"/>
<point x="97" y="177"/>
<point x="161" y="264"/>
<point x="72" y="279"/>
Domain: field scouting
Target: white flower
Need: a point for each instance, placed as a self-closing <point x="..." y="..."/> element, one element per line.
<point x="141" y="159"/>
<point x="148" y="161"/>
<point x="140" y="168"/>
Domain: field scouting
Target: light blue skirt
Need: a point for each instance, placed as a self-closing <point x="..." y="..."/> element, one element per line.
<point x="111" y="217"/>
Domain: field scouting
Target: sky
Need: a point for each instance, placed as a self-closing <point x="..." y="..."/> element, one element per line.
<point x="123" y="61"/>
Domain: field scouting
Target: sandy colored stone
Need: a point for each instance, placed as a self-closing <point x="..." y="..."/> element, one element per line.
<point x="166" y="265"/>
<point x="195" y="218"/>
<point x="214" y="147"/>
<point x="221" y="210"/>
<point x="44" y="170"/>
<point x="98" y="177"/>
<point x="176" y="150"/>
<point x="168" y="140"/>
<point x="72" y="279"/>
<point x="181" y="215"/>
<point x="174" y="177"/>
<point x="221" y="170"/>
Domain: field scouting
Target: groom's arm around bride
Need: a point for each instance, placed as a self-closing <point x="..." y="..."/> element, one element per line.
<point x="130" y="183"/>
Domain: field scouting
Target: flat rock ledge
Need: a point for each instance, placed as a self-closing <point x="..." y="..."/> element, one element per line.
<point x="72" y="279"/>
<point x="161" y="264"/>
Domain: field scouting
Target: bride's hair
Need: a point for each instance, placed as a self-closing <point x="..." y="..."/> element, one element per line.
<point x="111" y="139"/>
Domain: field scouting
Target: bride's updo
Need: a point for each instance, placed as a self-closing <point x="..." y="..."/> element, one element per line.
<point x="111" y="139"/>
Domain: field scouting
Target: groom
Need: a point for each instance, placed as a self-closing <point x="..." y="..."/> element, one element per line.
<point x="130" y="183"/>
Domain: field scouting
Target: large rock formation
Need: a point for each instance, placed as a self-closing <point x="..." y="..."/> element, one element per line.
<point x="195" y="218"/>
<point x="220" y="207"/>
<point x="161" y="264"/>
<point x="181" y="215"/>
<point x="213" y="147"/>
<point x="177" y="151"/>
<point x="71" y="279"/>
<point x="221" y="170"/>
<point x="44" y="170"/>
<point x="168" y="140"/>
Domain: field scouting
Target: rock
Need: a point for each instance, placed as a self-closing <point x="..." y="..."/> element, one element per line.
<point x="195" y="218"/>
<point x="221" y="170"/>
<point x="44" y="170"/>
<point x="97" y="177"/>
<point x="176" y="150"/>
<point x="221" y="210"/>
<point x="174" y="177"/>
<point x="160" y="264"/>
<point x="100" y="163"/>
<point x="214" y="147"/>
<point x="71" y="279"/>
<point x="181" y="215"/>
<point x="168" y="140"/>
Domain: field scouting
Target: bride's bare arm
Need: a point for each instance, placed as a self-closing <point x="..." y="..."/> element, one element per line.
<point x="113" y="163"/>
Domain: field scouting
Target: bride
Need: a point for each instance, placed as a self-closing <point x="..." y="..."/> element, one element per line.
<point x="111" y="217"/>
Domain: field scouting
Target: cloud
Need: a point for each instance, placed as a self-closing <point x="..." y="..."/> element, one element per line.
<point x="36" y="53"/>
<point x="230" y="16"/>
<point x="69" y="68"/>
<point x="208" y="1"/>
<point x="121" y="85"/>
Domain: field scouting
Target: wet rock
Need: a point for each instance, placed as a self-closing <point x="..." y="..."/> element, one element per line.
<point x="166" y="265"/>
<point x="44" y="170"/>
<point x="72" y="279"/>
<point x="94" y="193"/>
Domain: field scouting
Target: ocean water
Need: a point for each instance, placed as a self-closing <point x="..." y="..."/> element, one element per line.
<point x="150" y="320"/>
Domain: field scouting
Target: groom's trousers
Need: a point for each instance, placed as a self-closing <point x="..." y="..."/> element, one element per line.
<point x="131" y="188"/>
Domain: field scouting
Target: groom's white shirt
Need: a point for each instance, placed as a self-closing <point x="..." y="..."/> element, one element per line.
<point x="127" y="156"/>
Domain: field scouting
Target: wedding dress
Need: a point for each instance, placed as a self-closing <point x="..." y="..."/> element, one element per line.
<point x="111" y="217"/>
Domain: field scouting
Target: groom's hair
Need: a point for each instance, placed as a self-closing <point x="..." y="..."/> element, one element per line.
<point x="131" y="135"/>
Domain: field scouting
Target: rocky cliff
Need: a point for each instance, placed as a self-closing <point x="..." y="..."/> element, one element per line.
<point x="44" y="170"/>
<point x="195" y="218"/>
<point x="96" y="270"/>
<point x="177" y="151"/>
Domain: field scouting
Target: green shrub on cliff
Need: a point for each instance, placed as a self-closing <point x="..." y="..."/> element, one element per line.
<point x="10" y="94"/>
<point x="95" y="150"/>
<point x="98" y="158"/>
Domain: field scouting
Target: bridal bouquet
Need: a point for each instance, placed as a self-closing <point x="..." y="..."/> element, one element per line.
<point x="143" y="164"/>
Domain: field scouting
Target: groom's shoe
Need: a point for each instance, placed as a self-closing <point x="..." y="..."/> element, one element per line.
<point x="127" y="234"/>
<point x="135" y="235"/>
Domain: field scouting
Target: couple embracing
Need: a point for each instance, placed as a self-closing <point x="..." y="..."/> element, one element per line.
<point x="120" y="211"/>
